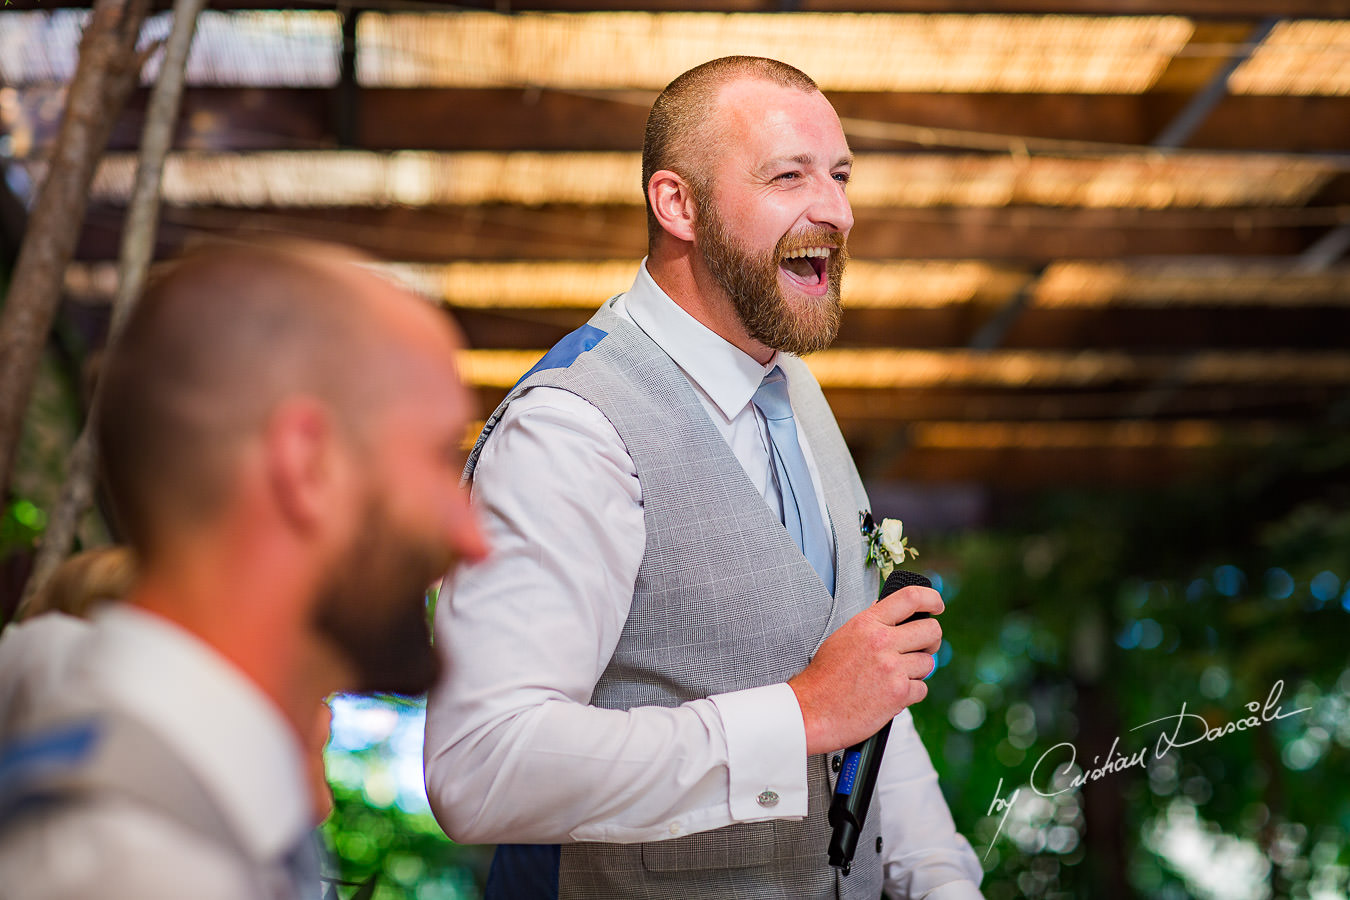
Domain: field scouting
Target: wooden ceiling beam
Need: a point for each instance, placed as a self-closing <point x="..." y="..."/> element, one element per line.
<point x="252" y="119"/>
<point x="1149" y="330"/>
<point x="1300" y="125"/>
<point x="1051" y="455"/>
<point x="864" y="413"/>
<point x="1030" y="235"/>
<point x="1213" y="402"/>
<point x="1055" y="454"/>
<point x="1039" y="468"/>
<point x="1115" y="327"/>
<point x="1008" y="235"/>
<point x="1130" y="328"/>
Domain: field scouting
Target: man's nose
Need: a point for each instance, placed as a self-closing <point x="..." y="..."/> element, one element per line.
<point x="830" y="207"/>
<point x="464" y="536"/>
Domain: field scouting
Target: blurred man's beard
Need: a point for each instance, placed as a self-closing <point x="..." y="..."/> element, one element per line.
<point x="374" y="608"/>
<point x="751" y="281"/>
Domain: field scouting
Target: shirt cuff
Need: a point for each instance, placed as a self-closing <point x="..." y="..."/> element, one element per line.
<point x="766" y="753"/>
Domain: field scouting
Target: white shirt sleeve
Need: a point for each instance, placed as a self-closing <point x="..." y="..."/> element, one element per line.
<point x="923" y="856"/>
<point x="514" y="752"/>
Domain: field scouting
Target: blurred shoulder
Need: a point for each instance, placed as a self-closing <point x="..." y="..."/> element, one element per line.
<point x="35" y="659"/>
<point x="115" y="850"/>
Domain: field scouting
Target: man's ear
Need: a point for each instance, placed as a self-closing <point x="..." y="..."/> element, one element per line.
<point x="673" y="204"/>
<point x="300" y="447"/>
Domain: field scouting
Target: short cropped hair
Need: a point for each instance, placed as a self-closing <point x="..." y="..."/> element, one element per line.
<point x="676" y="124"/>
<point x="216" y="342"/>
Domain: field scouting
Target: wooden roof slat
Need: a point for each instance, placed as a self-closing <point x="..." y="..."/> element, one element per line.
<point x="1151" y="331"/>
<point x="1023" y="469"/>
<point x="876" y="284"/>
<point x="975" y="404"/>
<point x="1011" y="236"/>
<point x="501" y="119"/>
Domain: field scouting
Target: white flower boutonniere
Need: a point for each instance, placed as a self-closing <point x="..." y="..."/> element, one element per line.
<point x="886" y="544"/>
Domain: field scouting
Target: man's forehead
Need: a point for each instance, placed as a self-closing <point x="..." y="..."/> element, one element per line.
<point x="750" y="95"/>
<point x="771" y="120"/>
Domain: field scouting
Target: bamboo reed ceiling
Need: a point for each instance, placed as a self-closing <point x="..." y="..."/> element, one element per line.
<point x="607" y="50"/>
<point x="1096" y="242"/>
<point x="412" y="178"/>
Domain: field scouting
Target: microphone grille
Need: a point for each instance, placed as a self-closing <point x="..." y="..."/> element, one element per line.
<point x="903" y="578"/>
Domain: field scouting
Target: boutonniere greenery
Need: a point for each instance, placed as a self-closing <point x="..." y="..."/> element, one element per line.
<point x="886" y="543"/>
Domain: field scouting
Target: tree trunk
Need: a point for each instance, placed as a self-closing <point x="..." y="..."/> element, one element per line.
<point x="1104" y="834"/>
<point x="107" y="72"/>
<point x="138" y="247"/>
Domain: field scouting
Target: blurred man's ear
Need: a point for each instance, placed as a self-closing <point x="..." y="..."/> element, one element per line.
<point x="673" y="204"/>
<point x="301" y="447"/>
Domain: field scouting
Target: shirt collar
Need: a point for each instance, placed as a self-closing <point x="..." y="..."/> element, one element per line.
<point x="724" y="372"/>
<point x="225" y="729"/>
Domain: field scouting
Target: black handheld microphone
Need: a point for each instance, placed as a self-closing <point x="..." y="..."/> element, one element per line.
<point x="858" y="775"/>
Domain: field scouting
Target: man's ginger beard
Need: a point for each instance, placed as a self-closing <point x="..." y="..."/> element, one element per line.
<point x="751" y="281"/>
<point x="373" y="606"/>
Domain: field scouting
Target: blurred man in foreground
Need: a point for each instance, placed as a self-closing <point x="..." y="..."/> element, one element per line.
<point x="280" y="435"/>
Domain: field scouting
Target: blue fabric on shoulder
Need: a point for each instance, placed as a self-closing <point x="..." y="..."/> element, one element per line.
<point x="24" y="761"/>
<point x="566" y="351"/>
<point x="524" y="872"/>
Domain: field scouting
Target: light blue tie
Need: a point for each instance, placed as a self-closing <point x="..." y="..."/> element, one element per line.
<point x="801" y="513"/>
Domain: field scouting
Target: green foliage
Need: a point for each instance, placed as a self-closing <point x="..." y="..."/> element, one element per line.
<point x="1090" y="616"/>
<point x="20" y="525"/>
<point x="394" y="854"/>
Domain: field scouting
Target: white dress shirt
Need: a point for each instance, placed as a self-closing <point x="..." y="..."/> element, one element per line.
<point x="233" y="738"/>
<point x="35" y="656"/>
<point x="514" y="753"/>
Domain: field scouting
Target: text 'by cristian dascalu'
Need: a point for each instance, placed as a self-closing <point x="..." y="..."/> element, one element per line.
<point x="1182" y="729"/>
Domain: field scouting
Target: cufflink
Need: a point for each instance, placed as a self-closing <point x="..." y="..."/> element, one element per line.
<point x="767" y="799"/>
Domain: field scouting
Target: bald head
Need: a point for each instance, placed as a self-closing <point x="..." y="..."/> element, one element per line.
<point x="216" y="344"/>
<point x="679" y="137"/>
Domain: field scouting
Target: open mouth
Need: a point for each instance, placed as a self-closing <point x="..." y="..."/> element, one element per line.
<point x="806" y="265"/>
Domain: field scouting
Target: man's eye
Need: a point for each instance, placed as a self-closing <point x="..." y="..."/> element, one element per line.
<point x="841" y="177"/>
<point x="789" y="176"/>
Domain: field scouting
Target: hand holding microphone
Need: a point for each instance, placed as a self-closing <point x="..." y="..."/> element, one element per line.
<point x="868" y="670"/>
<point x="862" y="761"/>
<point x="861" y="677"/>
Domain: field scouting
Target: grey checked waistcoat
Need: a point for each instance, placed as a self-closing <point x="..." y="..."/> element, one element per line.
<point x="724" y="600"/>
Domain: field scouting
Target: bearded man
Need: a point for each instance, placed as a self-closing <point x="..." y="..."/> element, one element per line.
<point x="279" y="431"/>
<point x="676" y="630"/>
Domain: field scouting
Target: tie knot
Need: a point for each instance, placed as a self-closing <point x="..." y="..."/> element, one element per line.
<point x="772" y="396"/>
